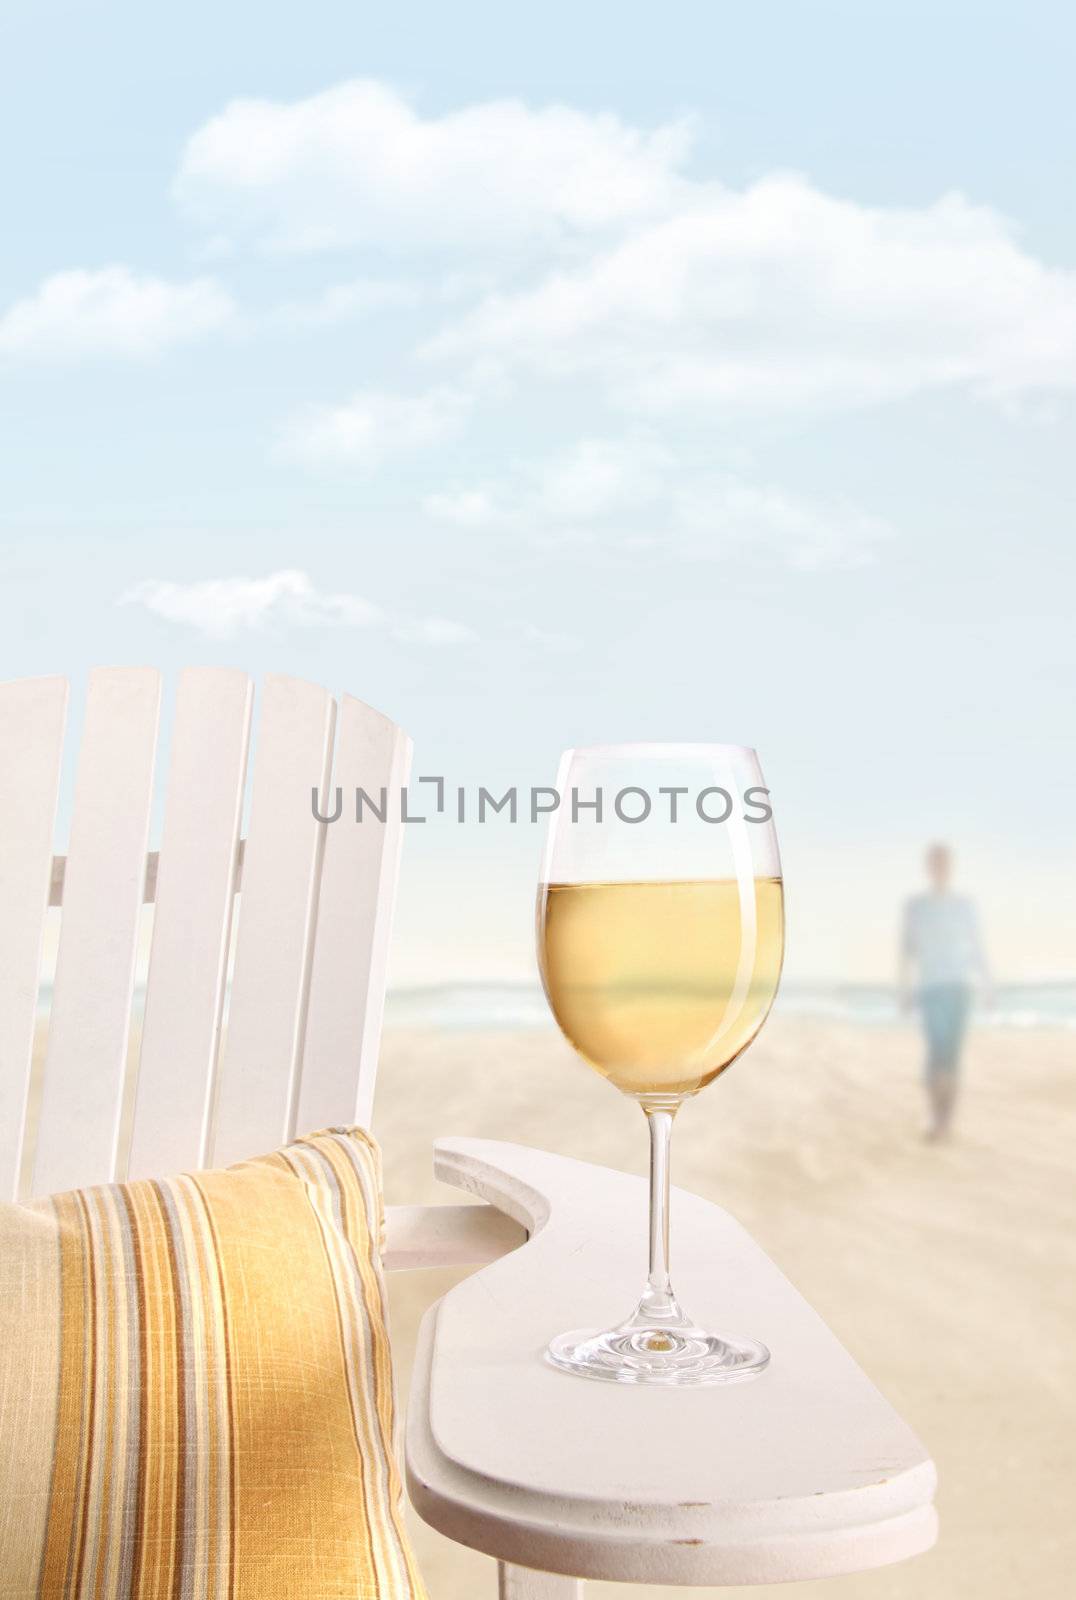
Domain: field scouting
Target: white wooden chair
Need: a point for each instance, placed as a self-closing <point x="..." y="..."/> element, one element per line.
<point x="804" y="1472"/>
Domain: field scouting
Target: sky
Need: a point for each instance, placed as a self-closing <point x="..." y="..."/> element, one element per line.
<point x="588" y="374"/>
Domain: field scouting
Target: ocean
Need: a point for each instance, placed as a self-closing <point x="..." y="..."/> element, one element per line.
<point x="460" y="1007"/>
<point x="485" y="1006"/>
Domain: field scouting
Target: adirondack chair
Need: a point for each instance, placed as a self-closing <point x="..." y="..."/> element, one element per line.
<point x="802" y="1473"/>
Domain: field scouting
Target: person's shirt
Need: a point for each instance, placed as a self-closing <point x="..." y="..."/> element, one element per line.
<point x="942" y="939"/>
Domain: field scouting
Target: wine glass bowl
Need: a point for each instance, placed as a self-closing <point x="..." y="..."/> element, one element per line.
<point x="639" y="977"/>
<point x="660" y="942"/>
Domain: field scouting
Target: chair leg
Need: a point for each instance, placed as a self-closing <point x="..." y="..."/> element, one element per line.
<point x="521" y="1583"/>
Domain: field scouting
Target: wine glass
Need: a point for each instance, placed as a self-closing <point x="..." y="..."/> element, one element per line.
<point x="660" y="942"/>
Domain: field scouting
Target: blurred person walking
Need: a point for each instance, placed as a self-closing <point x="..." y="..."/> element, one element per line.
<point x="941" y="962"/>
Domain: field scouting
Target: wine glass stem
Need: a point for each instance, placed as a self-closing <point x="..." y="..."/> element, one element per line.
<point x="659" y="1301"/>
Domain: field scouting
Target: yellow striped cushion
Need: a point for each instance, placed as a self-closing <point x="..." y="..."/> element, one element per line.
<point x="196" y="1396"/>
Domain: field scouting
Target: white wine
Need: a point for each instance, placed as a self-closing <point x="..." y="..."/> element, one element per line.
<point x="661" y="985"/>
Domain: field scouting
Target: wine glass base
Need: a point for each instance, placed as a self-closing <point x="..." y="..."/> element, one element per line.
<point x="683" y="1356"/>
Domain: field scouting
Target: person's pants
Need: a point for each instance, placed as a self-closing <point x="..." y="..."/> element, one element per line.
<point x="945" y="1008"/>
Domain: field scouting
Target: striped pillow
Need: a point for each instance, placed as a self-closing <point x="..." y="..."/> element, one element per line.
<point x="196" y="1396"/>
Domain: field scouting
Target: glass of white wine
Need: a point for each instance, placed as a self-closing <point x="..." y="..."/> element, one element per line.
<point x="660" y="942"/>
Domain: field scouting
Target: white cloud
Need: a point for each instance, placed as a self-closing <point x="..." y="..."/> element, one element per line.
<point x="592" y="480"/>
<point x="601" y="478"/>
<point x="724" y="513"/>
<point x="781" y="296"/>
<point x="636" y="492"/>
<point x="571" y="254"/>
<point x="356" y="165"/>
<point x="111" y="312"/>
<point x="606" y="267"/>
<point x="223" y="607"/>
<point x="669" y="293"/>
<point x="374" y="424"/>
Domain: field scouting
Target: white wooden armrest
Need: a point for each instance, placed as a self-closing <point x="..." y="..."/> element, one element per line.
<point x="804" y="1472"/>
<point x="447" y="1236"/>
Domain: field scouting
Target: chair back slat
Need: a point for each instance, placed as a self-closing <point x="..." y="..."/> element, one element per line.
<point x="311" y="904"/>
<point x="194" y="895"/>
<point x="32" y="718"/>
<point x="85" y="1063"/>
<point x="358" y="888"/>
<point x="258" y="1081"/>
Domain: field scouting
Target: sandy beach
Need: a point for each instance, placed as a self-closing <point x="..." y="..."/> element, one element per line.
<point x="947" y="1271"/>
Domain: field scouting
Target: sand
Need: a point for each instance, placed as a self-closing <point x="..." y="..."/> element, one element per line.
<point x="947" y="1271"/>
